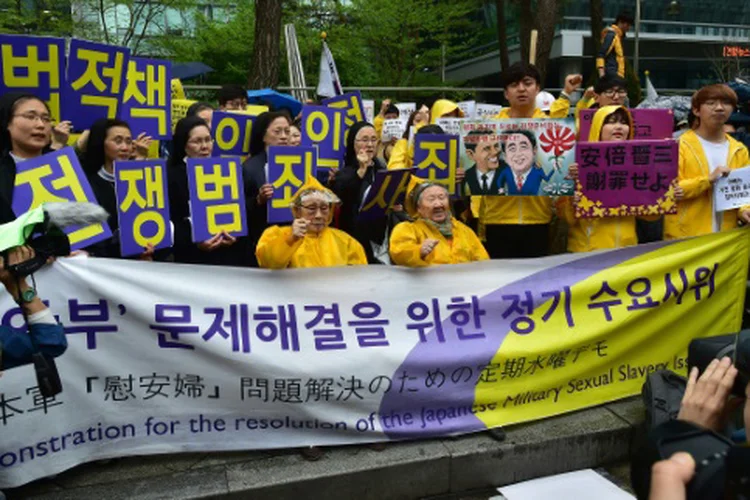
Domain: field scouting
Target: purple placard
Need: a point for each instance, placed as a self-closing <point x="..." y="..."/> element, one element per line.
<point x="147" y="100"/>
<point x="35" y="65"/>
<point x="626" y="178"/>
<point x="95" y="82"/>
<point x="351" y="103"/>
<point x="436" y="159"/>
<point x="217" y="198"/>
<point x="649" y="123"/>
<point x="288" y="168"/>
<point x="231" y="132"/>
<point x="388" y="189"/>
<point x="57" y="176"/>
<point x="142" y="205"/>
<point x="324" y="128"/>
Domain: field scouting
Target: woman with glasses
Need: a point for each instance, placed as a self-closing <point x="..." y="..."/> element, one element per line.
<point x="25" y="133"/>
<point x="192" y="139"/>
<point x="270" y="129"/>
<point x="309" y="241"/>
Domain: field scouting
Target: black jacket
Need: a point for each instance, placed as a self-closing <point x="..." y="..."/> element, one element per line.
<point x="7" y="184"/>
<point x="471" y="185"/>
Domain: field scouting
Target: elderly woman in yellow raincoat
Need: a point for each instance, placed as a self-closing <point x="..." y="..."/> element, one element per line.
<point x="435" y="236"/>
<point x="610" y="123"/>
<point x="309" y="241"/>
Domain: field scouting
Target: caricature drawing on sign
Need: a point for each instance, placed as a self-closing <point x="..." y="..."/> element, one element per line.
<point x="483" y="148"/>
<point x="523" y="176"/>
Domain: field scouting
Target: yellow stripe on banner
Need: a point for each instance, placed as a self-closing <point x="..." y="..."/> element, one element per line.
<point x="557" y="369"/>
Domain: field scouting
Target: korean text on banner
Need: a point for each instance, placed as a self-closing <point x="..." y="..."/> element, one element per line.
<point x="393" y="129"/>
<point x="406" y="108"/>
<point x="35" y="65"/>
<point x="732" y="191"/>
<point x="57" y="176"/>
<point x="487" y="111"/>
<point x="351" y="103"/>
<point x="626" y="178"/>
<point x="288" y="168"/>
<point x="649" y="123"/>
<point x="436" y="159"/>
<point x="388" y="189"/>
<point x="362" y="354"/>
<point x="324" y="128"/>
<point x="147" y="102"/>
<point x="468" y="108"/>
<point x="217" y="198"/>
<point x="95" y="82"/>
<point x="142" y="205"/>
<point x="231" y="132"/>
<point x="179" y="110"/>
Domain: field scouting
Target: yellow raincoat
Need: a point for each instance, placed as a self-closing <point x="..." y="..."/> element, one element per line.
<point x="586" y="235"/>
<point x="277" y="248"/>
<point x="695" y="212"/>
<point x="402" y="155"/>
<point x="519" y="209"/>
<point x="407" y="238"/>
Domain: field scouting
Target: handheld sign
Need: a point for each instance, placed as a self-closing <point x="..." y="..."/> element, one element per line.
<point x="179" y="110"/>
<point x="451" y="126"/>
<point x="351" y="103"/>
<point x="393" y="129"/>
<point x="436" y="159"/>
<point x="487" y="111"/>
<point x="324" y="128"/>
<point x="626" y="178"/>
<point x="57" y="176"/>
<point x="732" y="191"/>
<point x="95" y="82"/>
<point x="288" y="167"/>
<point x="35" y="65"/>
<point x="388" y="189"/>
<point x="649" y="123"/>
<point x="231" y="133"/>
<point x="406" y="108"/>
<point x="217" y="198"/>
<point x="142" y="205"/>
<point x="147" y="102"/>
<point x="369" y="106"/>
<point x="178" y="91"/>
<point x="468" y="108"/>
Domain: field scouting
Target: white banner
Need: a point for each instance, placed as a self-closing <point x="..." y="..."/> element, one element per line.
<point x="469" y="108"/>
<point x="732" y="191"/>
<point x="488" y="111"/>
<point x="369" y="106"/>
<point x="393" y="129"/>
<point x="406" y="109"/>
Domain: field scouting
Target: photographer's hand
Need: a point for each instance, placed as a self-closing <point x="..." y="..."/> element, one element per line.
<point x="669" y="478"/>
<point x="705" y="399"/>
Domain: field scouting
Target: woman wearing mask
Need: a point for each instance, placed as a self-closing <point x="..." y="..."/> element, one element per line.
<point x="270" y="129"/>
<point x="25" y="133"/>
<point x="192" y="139"/>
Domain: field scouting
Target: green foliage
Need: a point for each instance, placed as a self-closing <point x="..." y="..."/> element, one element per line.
<point x="43" y="18"/>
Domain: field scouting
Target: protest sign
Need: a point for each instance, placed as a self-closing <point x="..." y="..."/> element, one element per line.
<point x="393" y="129"/>
<point x="178" y="92"/>
<point x="535" y="155"/>
<point x="451" y="126"/>
<point x="288" y="168"/>
<point x="147" y="101"/>
<point x="649" y="123"/>
<point x="436" y="159"/>
<point x="231" y="132"/>
<point x="217" y="197"/>
<point x="388" y="189"/>
<point x="179" y="110"/>
<point x="95" y="82"/>
<point x="369" y="106"/>
<point x="626" y="178"/>
<point x="57" y="176"/>
<point x="406" y="108"/>
<point x="468" y="108"/>
<point x="35" y="65"/>
<point x="142" y="205"/>
<point x="351" y="103"/>
<point x="247" y="359"/>
<point x="323" y="128"/>
<point x="488" y="111"/>
<point x="732" y="191"/>
<point x="254" y="109"/>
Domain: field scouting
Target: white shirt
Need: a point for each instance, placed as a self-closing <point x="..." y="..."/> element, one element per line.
<point x="490" y="177"/>
<point x="717" y="154"/>
<point x="17" y="159"/>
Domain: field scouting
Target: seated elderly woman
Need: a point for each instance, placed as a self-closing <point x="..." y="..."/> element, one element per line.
<point x="309" y="242"/>
<point x="435" y="236"/>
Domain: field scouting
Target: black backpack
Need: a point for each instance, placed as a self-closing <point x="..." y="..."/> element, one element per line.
<point x="662" y="394"/>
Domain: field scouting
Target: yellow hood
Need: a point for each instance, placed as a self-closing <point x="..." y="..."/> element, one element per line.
<point x="443" y="107"/>
<point x="597" y="122"/>
<point x="409" y="203"/>
<point x="312" y="184"/>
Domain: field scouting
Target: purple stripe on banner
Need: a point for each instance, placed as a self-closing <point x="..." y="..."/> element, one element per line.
<point x="456" y="364"/>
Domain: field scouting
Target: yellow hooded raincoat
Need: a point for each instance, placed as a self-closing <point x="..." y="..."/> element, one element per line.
<point x="695" y="213"/>
<point x="330" y="248"/>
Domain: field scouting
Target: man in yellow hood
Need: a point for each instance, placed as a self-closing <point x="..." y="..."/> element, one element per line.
<point x="309" y="241"/>
<point x="435" y="237"/>
<point x="707" y="153"/>
<point x="518" y="226"/>
<point x="610" y="123"/>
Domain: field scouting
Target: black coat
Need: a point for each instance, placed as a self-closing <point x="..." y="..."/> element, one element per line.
<point x="254" y="176"/>
<point x="7" y="184"/>
<point x="471" y="185"/>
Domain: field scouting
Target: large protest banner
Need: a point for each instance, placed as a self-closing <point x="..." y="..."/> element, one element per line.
<point x="288" y="168"/>
<point x="56" y="177"/>
<point x="254" y="359"/>
<point x="217" y="197"/>
<point x="626" y="178"/>
<point x="35" y="65"/>
<point x="649" y="123"/>
<point x="147" y="101"/>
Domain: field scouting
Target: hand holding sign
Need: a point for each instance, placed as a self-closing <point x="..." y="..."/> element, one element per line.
<point x="717" y="173"/>
<point x="265" y="194"/>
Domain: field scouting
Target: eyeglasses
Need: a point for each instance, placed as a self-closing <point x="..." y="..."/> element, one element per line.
<point x="313" y="209"/>
<point x="612" y="92"/>
<point x="280" y="131"/>
<point x="200" y="142"/>
<point x="32" y="117"/>
<point x="369" y="140"/>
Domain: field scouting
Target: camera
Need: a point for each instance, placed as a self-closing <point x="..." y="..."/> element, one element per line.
<point x="735" y="346"/>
